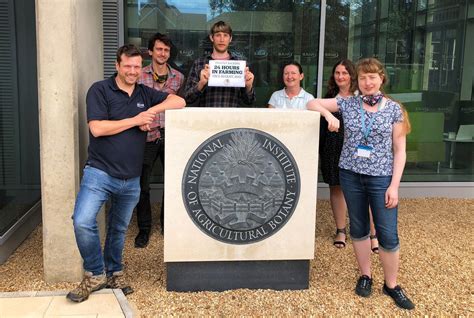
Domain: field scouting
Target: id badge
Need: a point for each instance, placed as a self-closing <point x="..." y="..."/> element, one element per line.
<point x="364" y="151"/>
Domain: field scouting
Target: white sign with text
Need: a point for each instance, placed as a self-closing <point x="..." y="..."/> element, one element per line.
<point x="226" y="73"/>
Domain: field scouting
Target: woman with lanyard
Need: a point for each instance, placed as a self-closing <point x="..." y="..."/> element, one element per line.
<point x="371" y="166"/>
<point x="343" y="84"/>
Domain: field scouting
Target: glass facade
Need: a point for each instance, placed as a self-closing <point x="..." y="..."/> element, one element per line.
<point x="426" y="45"/>
<point x="428" y="50"/>
<point x="265" y="33"/>
<point x="19" y="145"/>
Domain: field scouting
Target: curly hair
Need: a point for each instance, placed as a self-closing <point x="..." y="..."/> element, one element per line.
<point x="332" y="88"/>
<point x="159" y="37"/>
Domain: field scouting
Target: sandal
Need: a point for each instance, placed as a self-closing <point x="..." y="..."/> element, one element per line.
<point x="374" y="241"/>
<point x="340" y="244"/>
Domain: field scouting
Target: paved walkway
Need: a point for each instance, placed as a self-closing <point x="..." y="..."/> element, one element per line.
<point x="104" y="303"/>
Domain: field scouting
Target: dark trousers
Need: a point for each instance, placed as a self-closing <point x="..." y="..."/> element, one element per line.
<point x="153" y="151"/>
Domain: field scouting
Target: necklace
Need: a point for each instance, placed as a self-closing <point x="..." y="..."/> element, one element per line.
<point x="160" y="78"/>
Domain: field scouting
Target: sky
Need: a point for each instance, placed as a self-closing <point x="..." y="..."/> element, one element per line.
<point x="192" y="6"/>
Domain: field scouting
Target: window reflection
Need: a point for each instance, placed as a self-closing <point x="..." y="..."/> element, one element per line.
<point x="426" y="46"/>
<point x="19" y="145"/>
<point x="426" y="51"/>
<point x="266" y="33"/>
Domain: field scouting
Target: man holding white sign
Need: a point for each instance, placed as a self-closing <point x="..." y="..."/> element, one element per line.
<point x="220" y="79"/>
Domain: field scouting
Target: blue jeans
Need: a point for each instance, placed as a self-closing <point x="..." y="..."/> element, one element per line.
<point x="362" y="191"/>
<point x="96" y="188"/>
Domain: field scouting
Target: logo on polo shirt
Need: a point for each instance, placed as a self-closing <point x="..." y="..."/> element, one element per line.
<point x="140" y="105"/>
<point x="241" y="186"/>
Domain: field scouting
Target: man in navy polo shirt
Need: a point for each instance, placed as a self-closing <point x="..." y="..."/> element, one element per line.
<point x="119" y="112"/>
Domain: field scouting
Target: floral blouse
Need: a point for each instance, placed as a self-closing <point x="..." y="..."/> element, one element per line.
<point x="380" y="162"/>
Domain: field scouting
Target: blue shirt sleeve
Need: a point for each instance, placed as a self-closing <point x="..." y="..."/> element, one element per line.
<point x="155" y="97"/>
<point x="340" y="104"/>
<point x="96" y="103"/>
<point x="397" y="113"/>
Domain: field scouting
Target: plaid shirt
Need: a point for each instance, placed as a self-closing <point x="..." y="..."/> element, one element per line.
<point x="214" y="96"/>
<point x="171" y="86"/>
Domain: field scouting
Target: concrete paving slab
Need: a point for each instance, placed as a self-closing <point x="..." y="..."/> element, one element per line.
<point x="97" y="304"/>
<point x="24" y="306"/>
<point x="106" y="303"/>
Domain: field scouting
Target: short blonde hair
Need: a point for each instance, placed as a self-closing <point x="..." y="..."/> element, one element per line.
<point x="221" y="26"/>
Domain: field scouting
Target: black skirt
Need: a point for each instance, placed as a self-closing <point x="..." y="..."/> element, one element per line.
<point x="330" y="147"/>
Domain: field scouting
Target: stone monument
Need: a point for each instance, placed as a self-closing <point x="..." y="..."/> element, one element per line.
<point x="240" y="198"/>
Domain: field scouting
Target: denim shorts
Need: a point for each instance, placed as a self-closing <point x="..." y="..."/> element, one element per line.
<point x="362" y="191"/>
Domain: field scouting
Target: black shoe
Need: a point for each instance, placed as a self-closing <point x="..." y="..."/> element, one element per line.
<point x="142" y="238"/>
<point x="398" y="295"/>
<point x="364" y="286"/>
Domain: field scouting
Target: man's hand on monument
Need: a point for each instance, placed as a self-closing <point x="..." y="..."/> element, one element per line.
<point x="171" y="102"/>
<point x="249" y="77"/>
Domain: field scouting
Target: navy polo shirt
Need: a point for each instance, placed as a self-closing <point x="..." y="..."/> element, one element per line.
<point x="119" y="155"/>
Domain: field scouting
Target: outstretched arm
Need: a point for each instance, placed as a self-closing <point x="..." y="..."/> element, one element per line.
<point x="100" y="128"/>
<point x="326" y="107"/>
<point x="171" y="102"/>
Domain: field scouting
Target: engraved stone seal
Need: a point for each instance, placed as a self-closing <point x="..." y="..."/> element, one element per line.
<point x="241" y="186"/>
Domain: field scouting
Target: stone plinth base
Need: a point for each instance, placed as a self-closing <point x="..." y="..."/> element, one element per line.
<point x="220" y="276"/>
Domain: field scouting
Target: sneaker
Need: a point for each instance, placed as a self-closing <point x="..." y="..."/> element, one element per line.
<point x="142" y="239"/>
<point x="364" y="286"/>
<point x="89" y="284"/>
<point x="398" y="295"/>
<point x="117" y="281"/>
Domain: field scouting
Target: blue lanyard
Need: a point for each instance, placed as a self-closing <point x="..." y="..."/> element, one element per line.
<point x="367" y="129"/>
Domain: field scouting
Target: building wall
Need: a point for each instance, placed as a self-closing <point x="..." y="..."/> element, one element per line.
<point x="70" y="59"/>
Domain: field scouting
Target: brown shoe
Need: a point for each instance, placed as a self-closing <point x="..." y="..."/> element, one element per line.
<point x="90" y="283"/>
<point x="117" y="281"/>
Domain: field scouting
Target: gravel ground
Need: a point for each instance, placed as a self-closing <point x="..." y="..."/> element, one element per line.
<point x="436" y="271"/>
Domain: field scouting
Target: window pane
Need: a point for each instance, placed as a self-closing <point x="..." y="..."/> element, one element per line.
<point x="19" y="145"/>
<point x="427" y="49"/>
<point x="265" y="33"/>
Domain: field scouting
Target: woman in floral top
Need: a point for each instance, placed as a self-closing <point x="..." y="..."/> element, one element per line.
<point x="371" y="166"/>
